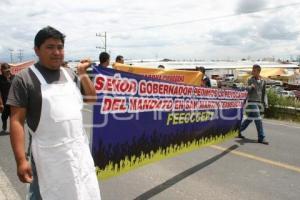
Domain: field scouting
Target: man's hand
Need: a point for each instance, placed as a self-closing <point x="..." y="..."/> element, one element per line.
<point x="253" y="86"/>
<point x="1" y="108"/>
<point x="83" y="65"/>
<point x="87" y="84"/>
<point x="17" y="139"/>
<point x="25" y="172"/>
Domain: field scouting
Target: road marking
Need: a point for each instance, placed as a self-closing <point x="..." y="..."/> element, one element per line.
<point x="7" y="192"/>
<point x="271" y="162"/>
<point x="279" y="124"/>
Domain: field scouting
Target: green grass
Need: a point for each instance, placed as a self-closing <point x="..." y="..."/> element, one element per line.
<point x="171" y="151"/>
<point x="277" y="100"/>
<point x="281" y="112"/>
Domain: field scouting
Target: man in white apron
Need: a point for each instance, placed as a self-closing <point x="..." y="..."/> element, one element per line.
<point x="46" y="96"/>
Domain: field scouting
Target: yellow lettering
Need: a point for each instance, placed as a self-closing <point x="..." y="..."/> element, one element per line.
<point x="175" y="118"/>
<point x="170" y="116"/>
<point x="181" y="118"/>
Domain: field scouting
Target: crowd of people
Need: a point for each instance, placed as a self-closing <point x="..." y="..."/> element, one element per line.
<point x="48" y="98"/>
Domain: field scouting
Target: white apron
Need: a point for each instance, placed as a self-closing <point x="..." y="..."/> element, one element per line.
<point x="60" y="146"/>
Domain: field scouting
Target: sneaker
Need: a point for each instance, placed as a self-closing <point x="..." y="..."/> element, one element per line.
<point x="263" y="141"/>
<point x="241" y="136"/>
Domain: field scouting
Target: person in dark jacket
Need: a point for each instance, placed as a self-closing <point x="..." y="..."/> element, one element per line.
<point x="205" y="80"/>
<point x="257" y="100"/>
<point x="5" y="83"/>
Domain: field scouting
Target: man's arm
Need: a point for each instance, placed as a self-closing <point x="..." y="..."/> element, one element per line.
<point x="90" y="95"/>
<point x="265" y="96"/>
<point x="251" y="85"/>
<point x="17" y="138"/>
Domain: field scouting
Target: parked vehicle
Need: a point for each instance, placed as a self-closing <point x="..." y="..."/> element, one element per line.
<point x="214" y="83"/>
<point x="277" y="89"/>
<point x="285" y="93"/>
<point x="274" y="82"/>
<point x="228" y="77"/>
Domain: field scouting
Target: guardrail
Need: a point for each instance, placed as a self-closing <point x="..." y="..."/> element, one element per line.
<point x="283" y="112"/>
<point x="287" y="107"/>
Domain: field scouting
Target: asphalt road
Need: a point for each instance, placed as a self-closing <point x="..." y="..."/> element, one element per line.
<point x="236" y="169"/>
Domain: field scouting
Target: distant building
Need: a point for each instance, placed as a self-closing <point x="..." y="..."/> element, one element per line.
<point x="269" y="59"/>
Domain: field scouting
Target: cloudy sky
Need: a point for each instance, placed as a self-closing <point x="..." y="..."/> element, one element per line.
<point x="139" y="29"/>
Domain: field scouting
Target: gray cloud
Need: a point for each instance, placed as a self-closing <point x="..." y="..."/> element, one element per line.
<point x="37" y="13"/>
<point x="278" y="29"/>
<point x="121" y="36"/>
<point x="229" y="38"/>
<point x="145" y="44"/>
<point x="245" y="6"/>
<point x="5" y="2"/>
<point x="244" y="40"/>
<point x="257" y="34"/>
<point x="87" y="9"/>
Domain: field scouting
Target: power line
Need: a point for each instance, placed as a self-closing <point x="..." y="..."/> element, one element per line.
<point x="201" y="19"/>
<point x="254" y="37"/>
<point x="215" y="18"/>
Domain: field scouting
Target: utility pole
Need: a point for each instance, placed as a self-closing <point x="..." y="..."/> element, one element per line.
<point x="105" y="41"/>
<point x="20" y="54"/>
<point x="11" y="55"/>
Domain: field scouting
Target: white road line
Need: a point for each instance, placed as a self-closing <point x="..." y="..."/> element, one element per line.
<point x="280" y="124"/>
<point x="254" y="157"/>
<point x="7" y="192"/>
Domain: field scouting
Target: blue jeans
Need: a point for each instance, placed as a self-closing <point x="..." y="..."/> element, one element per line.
<point x="34" y="190"/>
<point x="253" y="113"/>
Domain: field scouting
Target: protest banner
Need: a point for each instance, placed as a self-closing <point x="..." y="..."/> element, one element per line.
<point x="138" y="120"/>
<point x="175" y="76"/>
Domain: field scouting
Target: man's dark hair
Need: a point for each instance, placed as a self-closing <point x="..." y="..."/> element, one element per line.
<point x="256" y="66"/>
<point x="119" y="58"/>
<point x="46" y="33"/>
<point x="201" y="69"/>
<point x="4" y="66"/>
<point x="103" y="57"/>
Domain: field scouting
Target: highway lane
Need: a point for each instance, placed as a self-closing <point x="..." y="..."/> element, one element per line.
<point x="235" y="169"/>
